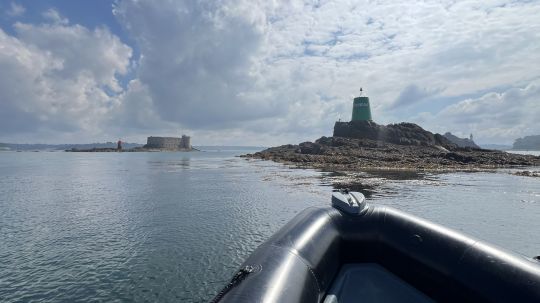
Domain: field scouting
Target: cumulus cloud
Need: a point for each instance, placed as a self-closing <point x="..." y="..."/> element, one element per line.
<point x="54" y="16"/>
<point x="15" y="10"/>
<point x="283" y="70"/>
<point x="291" y="67"/>
<point x="135" y="111"/>
<point x="413" y="94"/>
<point x="58" y="78"/>
<point x="197" y="59"/>
<point x="492" y="117"/>
<point x="96" y="53"/>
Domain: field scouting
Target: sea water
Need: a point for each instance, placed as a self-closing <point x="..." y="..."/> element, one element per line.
<point x="174" y="227"/>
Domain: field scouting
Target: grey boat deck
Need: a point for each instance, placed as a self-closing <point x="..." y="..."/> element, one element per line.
<point x="370" y="283"/>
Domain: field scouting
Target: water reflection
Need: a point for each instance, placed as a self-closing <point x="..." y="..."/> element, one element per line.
<point x="175" y="226"/>
<point x="494" y="206"/>
<point x="375" y="182"/>
<point x="182" y="163"/>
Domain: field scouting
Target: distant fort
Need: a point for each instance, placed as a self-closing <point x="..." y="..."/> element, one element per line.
<point x="169" y="143"/>
<point x="152" y="144"/>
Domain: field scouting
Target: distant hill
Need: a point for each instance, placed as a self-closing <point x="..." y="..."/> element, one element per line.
<point x="461" y="142"/>
<point x="527" y="143"/>
<point x="29" y="147"/>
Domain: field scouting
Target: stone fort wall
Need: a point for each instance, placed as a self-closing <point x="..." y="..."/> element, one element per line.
<point x="169" y="142"/>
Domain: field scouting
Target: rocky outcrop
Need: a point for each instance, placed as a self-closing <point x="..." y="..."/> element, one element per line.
<point x="349" y="154"/>
<point x="401" y="133"/>
<point x="527" y="173"/>
<point x="461" y="142"/>
<point x="527" y="143"/>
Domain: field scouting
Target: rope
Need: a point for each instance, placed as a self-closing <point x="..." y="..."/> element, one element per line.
<point x="238" y="277"/>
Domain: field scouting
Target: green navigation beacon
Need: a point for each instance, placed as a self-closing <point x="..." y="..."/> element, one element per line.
<point x="361" y="110"/>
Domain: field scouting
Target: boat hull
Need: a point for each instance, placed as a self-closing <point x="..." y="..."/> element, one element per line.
<point x="303" y="259"/>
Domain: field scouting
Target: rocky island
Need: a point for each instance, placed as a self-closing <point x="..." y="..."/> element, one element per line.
<point x="364" y="144"/>
<point x="153" y="144"/>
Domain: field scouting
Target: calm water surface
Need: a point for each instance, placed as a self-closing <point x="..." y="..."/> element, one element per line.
<point x="173" y="227"/>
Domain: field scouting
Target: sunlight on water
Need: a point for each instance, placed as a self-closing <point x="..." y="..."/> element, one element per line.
<point x="525" y="152"/>
<point x="175" y="226"/>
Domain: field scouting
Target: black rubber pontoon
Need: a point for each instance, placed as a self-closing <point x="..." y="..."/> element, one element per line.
<point x="364" y="253"/>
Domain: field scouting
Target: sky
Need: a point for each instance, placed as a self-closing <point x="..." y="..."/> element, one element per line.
<point x="249" y="72"/>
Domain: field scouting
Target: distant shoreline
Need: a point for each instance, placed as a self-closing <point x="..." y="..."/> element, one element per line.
<point x="131" y="150"/>
<point x="62" y="147"/>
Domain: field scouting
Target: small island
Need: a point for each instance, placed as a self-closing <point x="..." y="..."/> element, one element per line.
<point x="153" y="144"/>
<point x="364" y="144"/>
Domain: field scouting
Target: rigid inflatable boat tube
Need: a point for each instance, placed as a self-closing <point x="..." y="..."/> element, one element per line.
<point x="297" y="263"/>
<point x="300" y="261"/>
<point x="484" y="271"/>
